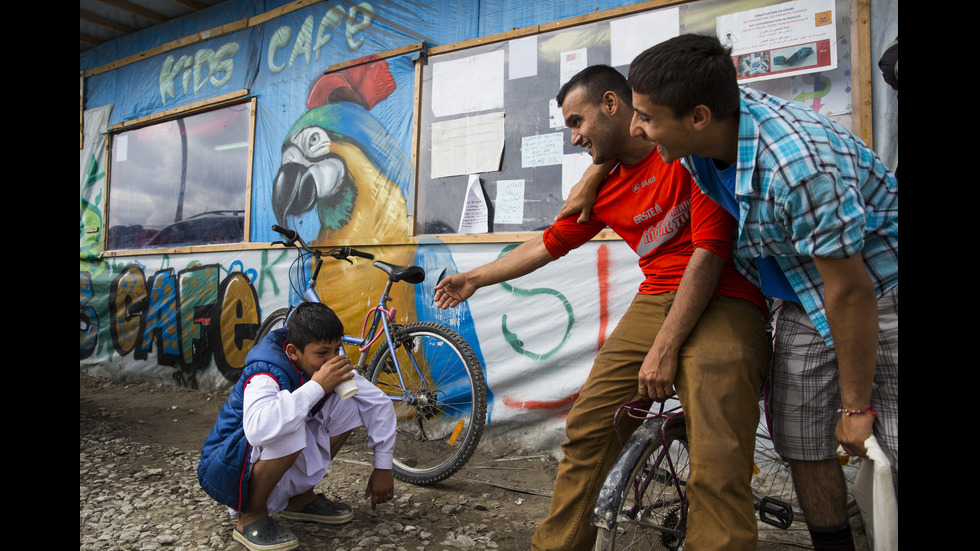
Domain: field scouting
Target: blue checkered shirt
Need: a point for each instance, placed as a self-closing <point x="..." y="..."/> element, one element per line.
<point x="807" y="187"/>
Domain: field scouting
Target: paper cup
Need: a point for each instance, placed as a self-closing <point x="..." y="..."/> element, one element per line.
<point x="346" y="389"/>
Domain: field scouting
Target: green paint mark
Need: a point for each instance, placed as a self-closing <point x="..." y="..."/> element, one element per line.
<point x="513" y="340"/>
<point x="90" y="217"/>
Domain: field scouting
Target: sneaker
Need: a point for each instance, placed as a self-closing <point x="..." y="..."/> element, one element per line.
<point x="266" y="535"/>
<point x="321" y="510"/>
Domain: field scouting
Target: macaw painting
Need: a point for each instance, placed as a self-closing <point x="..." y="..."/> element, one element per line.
<point x="342" y="174"/>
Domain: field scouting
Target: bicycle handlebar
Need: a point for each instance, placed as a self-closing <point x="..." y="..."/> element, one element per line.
<point x="340" y="253"/>
<point x="290" y="235"/>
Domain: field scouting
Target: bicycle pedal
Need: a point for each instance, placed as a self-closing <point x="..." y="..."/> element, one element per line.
<point x="775" y="513"/>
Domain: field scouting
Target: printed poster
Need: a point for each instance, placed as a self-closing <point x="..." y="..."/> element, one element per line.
<point x="781" y="40"/>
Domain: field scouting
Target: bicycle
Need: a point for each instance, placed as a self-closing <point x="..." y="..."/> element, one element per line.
<point x="431" y="374"/>
<point x="643" y="501"/>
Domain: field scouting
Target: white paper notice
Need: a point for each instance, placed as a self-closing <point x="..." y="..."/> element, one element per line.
<point x="467" y="145"/>
<point x="555" y="117"/>
<point x="474" y="217"/>
<point x="523" y="60"/>
<point x="572" y="168"/>
<point x="468" y="85"/>
<point x="509" y="205"/>
<point x="121" y="148"/>
<point x="572" y="62"/>
<point x="781" y="40"/>
<point x="630" y="36"/>
<point x="542" y="150"/>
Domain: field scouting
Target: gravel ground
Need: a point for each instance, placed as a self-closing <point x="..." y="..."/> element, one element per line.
<point x="138" y="489"/>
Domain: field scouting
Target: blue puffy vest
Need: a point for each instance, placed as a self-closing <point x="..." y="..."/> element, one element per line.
<point x="224" y="468"/>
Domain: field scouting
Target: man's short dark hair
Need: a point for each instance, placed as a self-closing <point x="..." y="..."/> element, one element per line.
<point x="687" y="71"/>
<point x="597" y="80"/>
<point x="313" y="322"/>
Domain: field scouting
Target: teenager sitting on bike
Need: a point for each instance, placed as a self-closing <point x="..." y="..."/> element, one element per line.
<point x="281" y="425"/>
<point x="820" y="202"/>
<point x="696" y="327"/>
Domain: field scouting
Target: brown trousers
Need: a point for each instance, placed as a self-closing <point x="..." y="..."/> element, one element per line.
<point x="722" y="367"/>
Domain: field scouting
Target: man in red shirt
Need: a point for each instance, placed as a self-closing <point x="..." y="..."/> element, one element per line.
<point x="696" y="327"/>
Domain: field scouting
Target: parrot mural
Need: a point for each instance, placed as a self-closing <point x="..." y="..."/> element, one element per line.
<point x="342" y="174"/>
<point x="341" y="178"/>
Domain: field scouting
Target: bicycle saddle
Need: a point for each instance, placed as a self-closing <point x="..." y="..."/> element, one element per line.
<point x="411" y="274"/>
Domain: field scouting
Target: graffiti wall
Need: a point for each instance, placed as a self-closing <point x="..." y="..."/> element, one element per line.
<point x="191" y="319"/>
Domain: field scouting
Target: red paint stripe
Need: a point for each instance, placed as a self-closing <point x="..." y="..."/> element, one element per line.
<point x="602" y="267"/>
<point x="541" y="404"/>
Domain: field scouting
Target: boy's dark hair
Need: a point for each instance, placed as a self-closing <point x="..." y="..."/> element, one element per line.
<point x="687" y="71"/>
<point x="313" y="322"/>
<point x="597" y="80"/>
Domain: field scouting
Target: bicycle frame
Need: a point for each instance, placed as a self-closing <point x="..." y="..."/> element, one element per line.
<point x="380" y="313"/>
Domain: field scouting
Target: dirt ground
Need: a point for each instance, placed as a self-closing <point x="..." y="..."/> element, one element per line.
<point x="139" y="446"/>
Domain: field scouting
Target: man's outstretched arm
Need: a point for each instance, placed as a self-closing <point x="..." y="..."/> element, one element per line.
<point x="527" y="257"/>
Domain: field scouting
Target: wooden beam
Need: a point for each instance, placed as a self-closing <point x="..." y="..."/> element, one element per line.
<point x="89" y="39"/>
<point x="375" y="57"/>
<point x="97" y="19"/>
<point x="189" y="4"/>
<point x="137" y="10"/>
<point x="862" y="114"/>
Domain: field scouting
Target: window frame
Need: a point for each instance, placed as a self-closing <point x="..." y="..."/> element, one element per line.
<point x="227" y="100"/>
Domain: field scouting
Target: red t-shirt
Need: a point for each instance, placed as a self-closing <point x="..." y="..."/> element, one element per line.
<point x="650" y="205"/>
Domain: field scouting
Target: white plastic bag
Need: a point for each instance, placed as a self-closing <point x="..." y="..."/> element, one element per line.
<point x="875" y="496"/>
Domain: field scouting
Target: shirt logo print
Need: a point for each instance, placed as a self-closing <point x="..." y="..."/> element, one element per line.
<point x="640" y="185"/>
<point x="661" y="232"/>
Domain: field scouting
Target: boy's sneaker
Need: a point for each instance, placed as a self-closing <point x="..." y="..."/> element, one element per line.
<point x="321" y="510"/>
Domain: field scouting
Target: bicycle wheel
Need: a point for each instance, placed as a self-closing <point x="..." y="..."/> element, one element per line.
<point x="772" y="478"/>
<point x="441" y="409"/>
<point x="653" y="507"/>
<point x="275" y="320"/>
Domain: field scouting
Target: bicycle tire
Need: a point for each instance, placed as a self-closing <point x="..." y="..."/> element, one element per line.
<point x="650" y="513"/>
<point x="772" y="477"/>
<point x="275" y="320"/>
<point x="438" y="433"/>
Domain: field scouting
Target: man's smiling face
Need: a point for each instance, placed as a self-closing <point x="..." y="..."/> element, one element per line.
<point x="658" y="124"/>
<point x="591" y="127"/>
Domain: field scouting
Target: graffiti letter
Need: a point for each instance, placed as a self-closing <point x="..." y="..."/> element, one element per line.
<point x="223" y="63"/>
<point x="265" y="274"/>
<point x="236" y="326"/>
<point x="160" y="323"/>
<point x="329" y="21"/>
<point x="198" y="288"/>
<point x="279" y="39"/>
<point x="201" y="58"/>
<point x="367" y="12"/>
<point x="216" y="62"/>
<point x="169" y="72"/>
<point x="513" y="340"/>
<point x="127" y="304"/>
<point x="88" y="329"/>
<point x="304" y="42"/>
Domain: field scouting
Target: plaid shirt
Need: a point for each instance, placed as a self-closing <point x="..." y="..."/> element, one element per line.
<point x="807" y="187"/>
